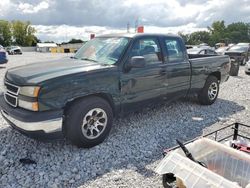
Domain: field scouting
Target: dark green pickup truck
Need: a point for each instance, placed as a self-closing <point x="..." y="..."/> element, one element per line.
<point x="109" y="76"/>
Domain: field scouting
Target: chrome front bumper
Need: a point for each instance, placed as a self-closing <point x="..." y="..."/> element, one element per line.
<point x="48" y="126"/>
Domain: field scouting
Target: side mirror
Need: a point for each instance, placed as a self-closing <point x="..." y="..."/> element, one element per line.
<point x="137" y="62"/>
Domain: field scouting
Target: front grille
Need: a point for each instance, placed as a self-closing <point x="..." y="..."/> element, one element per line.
<point x="11" y="94"/>
<point x="10" y="99"/>
<point x="13" y="89"/>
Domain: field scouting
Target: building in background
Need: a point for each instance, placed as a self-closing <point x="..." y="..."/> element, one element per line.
<point x="45" y="47"/>
<point x="69" y="48"/>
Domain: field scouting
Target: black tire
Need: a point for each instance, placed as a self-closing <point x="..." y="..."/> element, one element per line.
<point x="205" y="97"/>
<point x="168" y="180"/>
<point x="77" y="114"/>
<point x="234" y="71"/>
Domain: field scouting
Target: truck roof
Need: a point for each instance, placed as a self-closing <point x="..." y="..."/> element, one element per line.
<point x="133" y="35"/>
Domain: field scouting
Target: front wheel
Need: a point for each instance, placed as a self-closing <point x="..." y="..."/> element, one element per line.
<point x="209" y="92"/>
<point x="88" y="122"/>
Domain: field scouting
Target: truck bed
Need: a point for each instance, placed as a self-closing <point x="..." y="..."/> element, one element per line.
<point x="203" y="65"/>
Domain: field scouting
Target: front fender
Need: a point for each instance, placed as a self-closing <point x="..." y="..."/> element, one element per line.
<point x="56" y="93"/>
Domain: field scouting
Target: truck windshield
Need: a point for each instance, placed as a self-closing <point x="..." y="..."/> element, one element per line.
<point x="106" y="50"/>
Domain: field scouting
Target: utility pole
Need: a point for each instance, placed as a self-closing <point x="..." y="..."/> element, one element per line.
<point x="136" y="25"/>
<point x="128" y="27"/>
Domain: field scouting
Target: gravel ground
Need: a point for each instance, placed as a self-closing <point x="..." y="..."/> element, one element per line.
<point x="132" y="151"/>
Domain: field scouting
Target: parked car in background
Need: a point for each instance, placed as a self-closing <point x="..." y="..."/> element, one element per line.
<point x="231" y="44"/>
<point x="205" y="51"/>
<point x="203" y="44"/>
<point x="222" y="50"/>
<point x="189" y="46"/>
<point x="14" y="50"/>
<point x="3" y="56"/>
<point x="219" y="45"/>
<point x="243" y="44"/>
<point x="239" y="52"/>
<point x="247" y="67"/>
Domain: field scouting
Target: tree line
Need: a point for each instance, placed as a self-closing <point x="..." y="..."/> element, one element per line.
<point x="219" y="32"/>
<point x="22" y="33"/>
<point x="17" y="33"/>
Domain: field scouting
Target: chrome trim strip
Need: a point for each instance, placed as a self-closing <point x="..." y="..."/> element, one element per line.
<point x="13" y="105"/>
<point x="49" y="126"/>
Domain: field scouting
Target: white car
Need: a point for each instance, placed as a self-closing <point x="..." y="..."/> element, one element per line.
<point x="14" y="50"/>
<point x="247" y="67"/>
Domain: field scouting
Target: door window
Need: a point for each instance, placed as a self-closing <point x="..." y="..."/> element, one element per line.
<point x="210" y="52"/>
<point x="203" y="52"/>
<point x="174" y="49"/>
<point x="148" y="48"/>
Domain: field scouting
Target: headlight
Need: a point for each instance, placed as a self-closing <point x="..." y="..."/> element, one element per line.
<point x="29" y="91"/>
<point x="28" y="105"/>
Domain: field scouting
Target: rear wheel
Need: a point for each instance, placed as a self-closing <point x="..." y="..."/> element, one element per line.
<point x="88" y="122"/>
<point x="210" y="91"/>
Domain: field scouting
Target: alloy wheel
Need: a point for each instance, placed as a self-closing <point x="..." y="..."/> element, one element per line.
<point x="94" y="123"/>
<point x="213" y="91"/>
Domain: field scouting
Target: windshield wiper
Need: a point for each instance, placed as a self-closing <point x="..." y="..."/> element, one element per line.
<point x="88" y="59"/>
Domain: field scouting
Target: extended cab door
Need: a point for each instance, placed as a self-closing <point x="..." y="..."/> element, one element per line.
<point x="141" y="86"/>
<point x="178" y="67"/>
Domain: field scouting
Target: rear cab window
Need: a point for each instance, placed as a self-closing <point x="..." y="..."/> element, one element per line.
<point x="174" y="50"/>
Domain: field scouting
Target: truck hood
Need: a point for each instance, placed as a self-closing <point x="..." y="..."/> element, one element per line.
<point x="38" y="72"/>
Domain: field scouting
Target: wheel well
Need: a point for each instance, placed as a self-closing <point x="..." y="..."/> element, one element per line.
<point x="104" y="96"/>
<point x="217" y="75"/>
